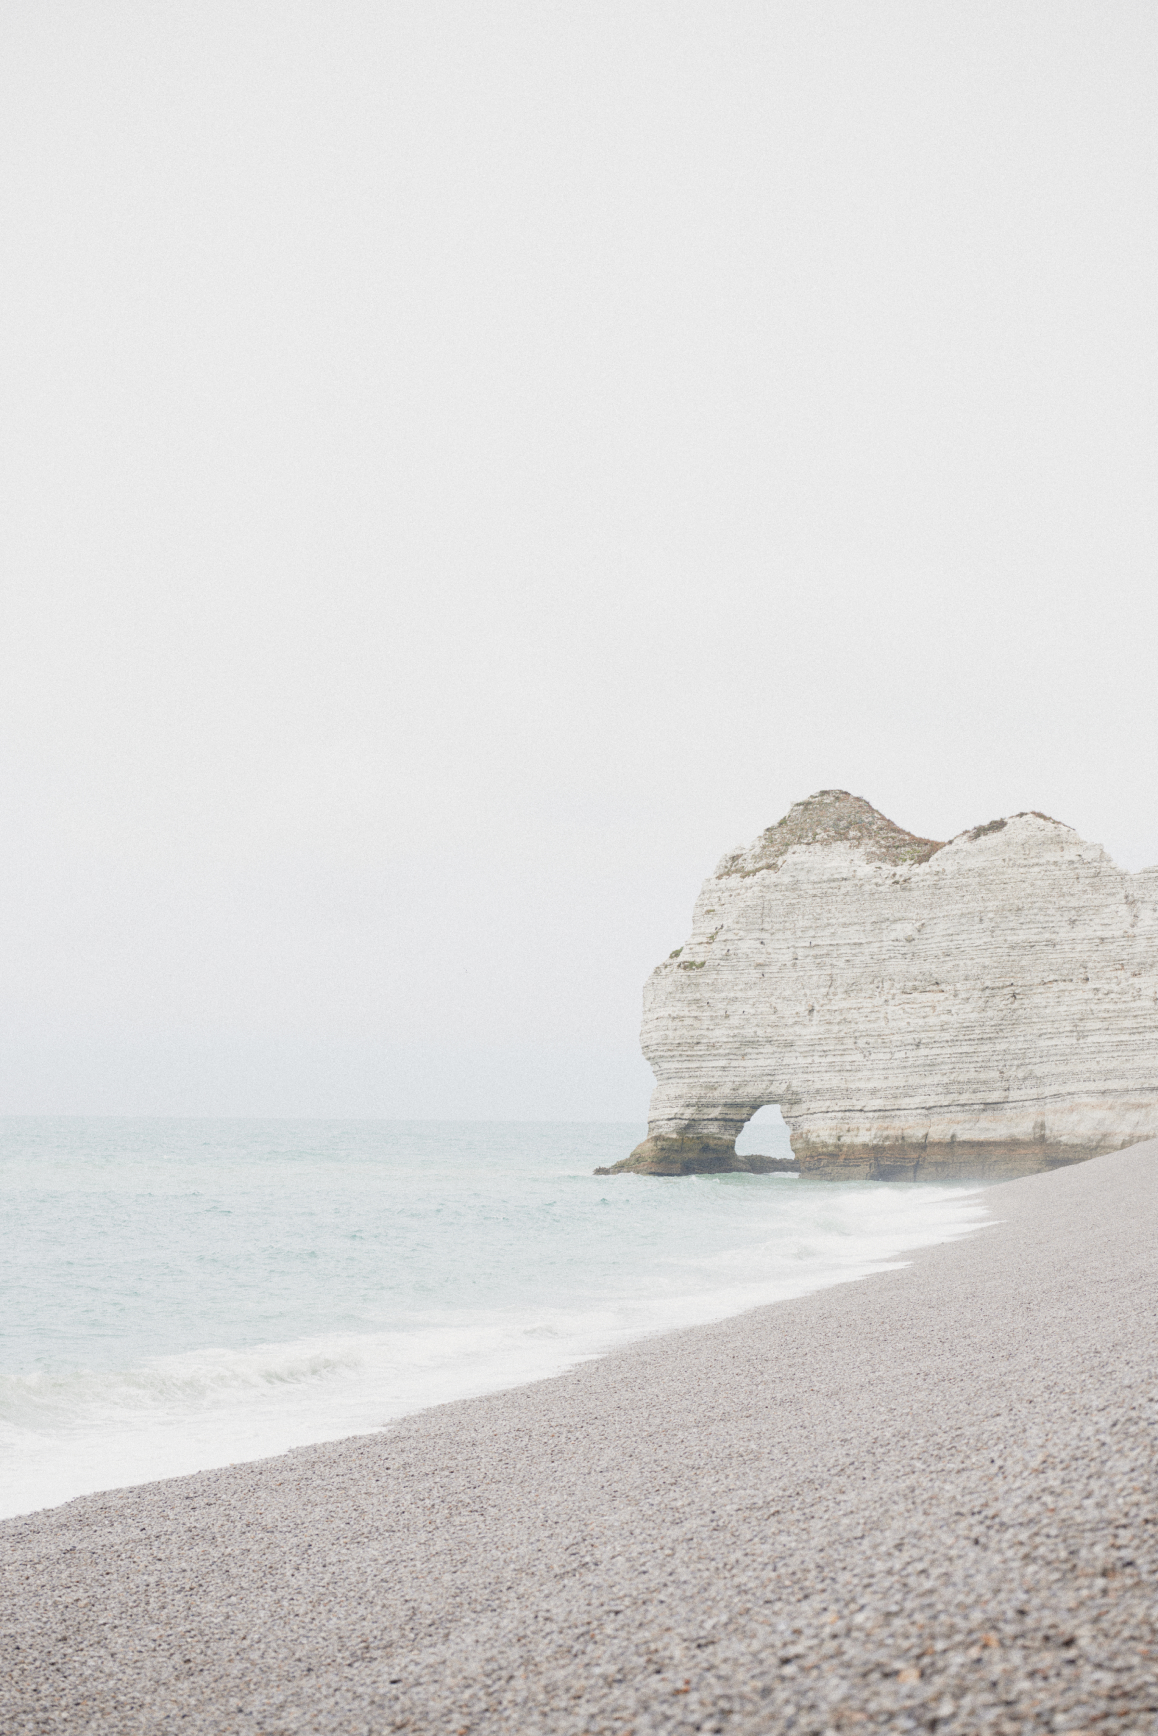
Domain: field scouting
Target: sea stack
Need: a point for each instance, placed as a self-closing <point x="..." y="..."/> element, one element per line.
<point x="983" y="1008"/>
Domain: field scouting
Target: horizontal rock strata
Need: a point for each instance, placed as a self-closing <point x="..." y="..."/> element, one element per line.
<point x="984" y="1008"/>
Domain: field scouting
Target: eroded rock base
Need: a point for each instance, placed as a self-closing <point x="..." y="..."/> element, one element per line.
<point x="950" y="1160"/>
<point x="953" y="1160"/>
<point x="694" y="1157"/>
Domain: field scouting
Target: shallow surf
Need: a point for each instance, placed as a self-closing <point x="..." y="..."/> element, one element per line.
<point x="184" y="1294"/>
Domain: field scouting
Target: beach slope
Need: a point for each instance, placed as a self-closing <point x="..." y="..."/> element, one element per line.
<point x="922" y="1501"/>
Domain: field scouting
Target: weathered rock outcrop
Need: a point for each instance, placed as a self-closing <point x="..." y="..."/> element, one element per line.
<point x="986" y="1007"/>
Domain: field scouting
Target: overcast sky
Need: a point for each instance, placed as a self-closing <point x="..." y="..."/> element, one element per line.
<point x="468" y="466"/>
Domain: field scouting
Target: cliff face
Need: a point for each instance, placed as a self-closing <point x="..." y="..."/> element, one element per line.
<point x="986" y="1007"/>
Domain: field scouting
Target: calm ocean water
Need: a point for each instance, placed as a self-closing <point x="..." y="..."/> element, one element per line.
<point x="182" y="1294"/>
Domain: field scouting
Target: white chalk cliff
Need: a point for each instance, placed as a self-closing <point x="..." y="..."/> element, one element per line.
<point x="986" y="1007"/>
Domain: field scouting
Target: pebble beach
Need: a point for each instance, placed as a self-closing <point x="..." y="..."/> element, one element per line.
<point x="920" y="1501"/>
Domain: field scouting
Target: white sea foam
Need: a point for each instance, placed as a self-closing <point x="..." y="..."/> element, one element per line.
<point x="429" y="1265"/>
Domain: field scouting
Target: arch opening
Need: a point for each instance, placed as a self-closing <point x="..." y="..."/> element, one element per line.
<point x="765" y="1135"/>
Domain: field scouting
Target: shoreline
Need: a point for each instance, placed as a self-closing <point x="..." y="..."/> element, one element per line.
<point x="188" y="1408"/>
<point x="924" y="1499"/>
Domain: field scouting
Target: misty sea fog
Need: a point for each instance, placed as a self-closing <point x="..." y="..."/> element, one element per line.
<point x="184" y="1294"/>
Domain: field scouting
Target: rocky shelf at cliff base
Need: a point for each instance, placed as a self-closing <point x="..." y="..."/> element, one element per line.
<point x="984" y="1008"/>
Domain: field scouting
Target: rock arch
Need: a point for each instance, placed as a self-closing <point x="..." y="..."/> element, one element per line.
<point x="986" y="1007"/>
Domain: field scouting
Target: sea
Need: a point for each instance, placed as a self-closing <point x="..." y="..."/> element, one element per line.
<point x="182" y="1294"/>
